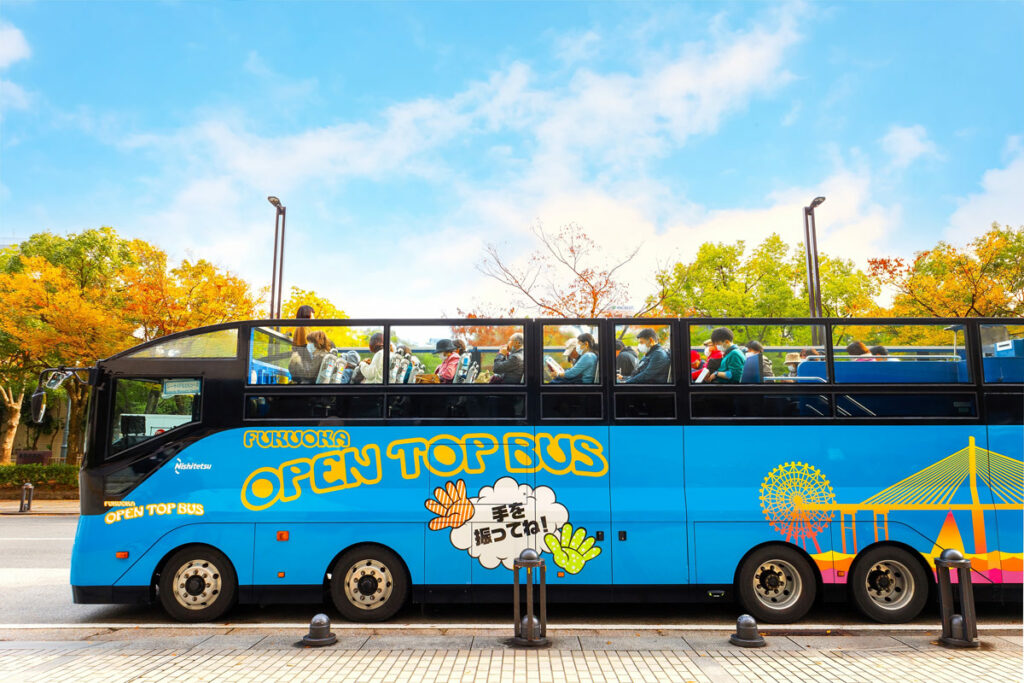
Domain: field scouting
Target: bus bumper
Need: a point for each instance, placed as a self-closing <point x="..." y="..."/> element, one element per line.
<point x="111" y="595"/>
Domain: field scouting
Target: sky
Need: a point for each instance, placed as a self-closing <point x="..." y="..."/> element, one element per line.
<point x="405" y="137"/>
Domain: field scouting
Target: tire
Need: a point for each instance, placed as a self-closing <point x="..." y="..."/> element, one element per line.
<point x="369" y="584"/>
<point x="197" y="583"/>
<point x="889" y="585"/>
<point x="776" y="584"/>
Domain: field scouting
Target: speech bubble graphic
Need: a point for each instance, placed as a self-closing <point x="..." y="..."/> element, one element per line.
<point x="508" y="518"/>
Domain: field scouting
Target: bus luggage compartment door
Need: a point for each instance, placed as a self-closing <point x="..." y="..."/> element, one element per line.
<point x="648" y="506"/>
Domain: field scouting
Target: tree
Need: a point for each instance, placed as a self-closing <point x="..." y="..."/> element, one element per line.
<point x="770" y="281"/>
<point x="162" y="300"/>
<point x="568" y="277"/>
<point x="55" y="316"/>
<point x="985" y="279"/>
<point x="325" y="310"/>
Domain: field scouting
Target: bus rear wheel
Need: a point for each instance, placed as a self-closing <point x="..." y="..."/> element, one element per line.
<point x="368" y="583"/>
<point x="197" y="583"/>
<point x="776" y="584"/>
<point x="889" y="585"/>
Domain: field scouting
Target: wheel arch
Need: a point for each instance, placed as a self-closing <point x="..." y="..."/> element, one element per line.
<point x="819" y="592"/>
<point x="916" y="554"/>
<point x="158" y="569"/>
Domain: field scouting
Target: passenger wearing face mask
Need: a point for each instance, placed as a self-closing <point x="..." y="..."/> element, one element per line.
<point x="655" y="364"/>
<point x="585" y="369"/>
<point x="731" y="369"/>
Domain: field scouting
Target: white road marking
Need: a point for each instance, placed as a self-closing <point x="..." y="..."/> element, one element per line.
<point x="37" y="538"/>
<point x="33" y="576"/>
<point x="764" y="628"/>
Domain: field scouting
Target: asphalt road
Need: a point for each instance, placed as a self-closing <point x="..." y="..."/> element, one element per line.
<point x="35" y="555"/>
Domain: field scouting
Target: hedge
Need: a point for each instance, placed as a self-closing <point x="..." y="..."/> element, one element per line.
<point x="38" y="475"/>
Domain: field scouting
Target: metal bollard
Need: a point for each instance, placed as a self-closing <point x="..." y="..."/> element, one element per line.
<point x="529" y="630"/>
<point x="319" y="632"/>
<point x="26" y="498"/>
<point x="960" y="629"/>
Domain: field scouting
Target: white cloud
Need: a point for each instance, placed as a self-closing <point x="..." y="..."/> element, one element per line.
<point x="584" y="151"/>
<point x="13" y="46"/>
<point x="577" y="46"/>
<point x="907" y="144"/>
<point x="1000" y="199"/>
<point x="13" y="96"/>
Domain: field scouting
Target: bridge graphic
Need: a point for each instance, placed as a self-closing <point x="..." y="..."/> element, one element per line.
<point x="799" y="502"/>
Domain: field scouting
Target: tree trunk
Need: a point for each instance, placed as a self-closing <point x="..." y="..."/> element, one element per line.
<point x="9" y="425"/>
<point x="77" y="398"/>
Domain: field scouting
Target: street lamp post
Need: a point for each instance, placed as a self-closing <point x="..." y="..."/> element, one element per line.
<point x="277" y="276"/>
<point x="813" y="279"/>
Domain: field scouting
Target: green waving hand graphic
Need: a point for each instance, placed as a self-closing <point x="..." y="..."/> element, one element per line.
<point x="572" y="551"/>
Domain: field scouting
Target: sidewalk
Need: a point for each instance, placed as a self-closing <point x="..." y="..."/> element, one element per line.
<point x="128" y="655"/>
<point x="41" y="507"/>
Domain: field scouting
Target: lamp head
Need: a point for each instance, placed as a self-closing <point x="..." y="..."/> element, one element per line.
<point x="818" y="201"/>
<point x="275" y="201"/>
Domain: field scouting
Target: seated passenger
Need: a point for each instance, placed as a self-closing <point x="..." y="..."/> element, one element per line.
<point x="756" y="348"/>
<point x="372" y="369"/>
<point x="625" y="359"/>
<point x="809" y="353"/>
<point x="731" y="368"/>
<point x="881" y="353"/>
<point x="585" y="369"/>
<point x="306" y="360"/>
<point x="792" y="362"/>
<point x="696" y="365"/>
<point x="348" y="361"/>
<point x="858" y="349"/>
<point x="572" y="351"/>
<point x="655" y="364"/>
<point x="508" y="364"/>
<point x="450" y="365"/>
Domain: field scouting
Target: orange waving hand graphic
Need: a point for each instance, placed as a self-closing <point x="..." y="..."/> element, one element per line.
<point x="452" y="507"/>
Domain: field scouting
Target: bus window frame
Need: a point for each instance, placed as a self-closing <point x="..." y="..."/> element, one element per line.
<point x="169" y="435"/>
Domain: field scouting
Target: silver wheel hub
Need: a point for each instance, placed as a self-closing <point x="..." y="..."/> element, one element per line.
<point x="197" y="584"/>
<point x="889" y="584"/>
<point x="368" y="584"/>
<point x="777" y="584"/>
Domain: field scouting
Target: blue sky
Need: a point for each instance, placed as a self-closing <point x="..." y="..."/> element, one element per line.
<point x="405" y="137"/>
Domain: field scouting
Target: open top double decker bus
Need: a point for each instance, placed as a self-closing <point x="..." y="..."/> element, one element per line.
<point x="292" y="461"/>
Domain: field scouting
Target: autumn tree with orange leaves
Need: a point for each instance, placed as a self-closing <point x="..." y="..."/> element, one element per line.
<point x="986" y="279"/>
<point x="76" y="299"/>
<point x="568" y="277"/>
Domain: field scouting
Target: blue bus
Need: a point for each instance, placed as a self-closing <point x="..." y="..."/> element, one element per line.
<point x="777" y="463"/>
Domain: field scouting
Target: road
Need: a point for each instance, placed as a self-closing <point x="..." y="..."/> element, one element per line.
<point x="35" y="554"/>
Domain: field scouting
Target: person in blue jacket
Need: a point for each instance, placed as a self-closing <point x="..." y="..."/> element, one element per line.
<point x="585" y="370"/>
<point x="655" y="365"/>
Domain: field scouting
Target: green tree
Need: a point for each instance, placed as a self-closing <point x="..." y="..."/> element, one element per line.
<point x="768" y="281"/>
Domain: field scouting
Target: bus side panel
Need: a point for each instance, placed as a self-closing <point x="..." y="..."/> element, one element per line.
<point x="1006" y="447"/>
<point x="834" y="490"/>
<point x="648" y="506"/>
<point x="234" y="540"/>
<point x="304" y="556"/>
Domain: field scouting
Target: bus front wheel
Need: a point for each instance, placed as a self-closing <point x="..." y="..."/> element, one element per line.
<point x="776" y="584"/>
<point x="368" y="583"/>
<point x="197" y="583"/>
<point x="889" y="585"/>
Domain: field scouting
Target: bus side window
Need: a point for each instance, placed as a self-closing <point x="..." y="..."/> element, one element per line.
<point x="148" y="407"/>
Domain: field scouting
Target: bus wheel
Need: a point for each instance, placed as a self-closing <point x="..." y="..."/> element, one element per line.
<point x="197" y="584"/>
<point x="368" y="583"/>
<point x="776" y="584"/>
<point x="889" y="585"/>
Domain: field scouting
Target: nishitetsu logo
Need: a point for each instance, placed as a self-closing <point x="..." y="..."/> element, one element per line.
<point x="179" y="466"/>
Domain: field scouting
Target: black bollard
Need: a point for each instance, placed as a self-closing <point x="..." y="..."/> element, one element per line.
<point x="958" y="629"/>
<point x="746" y="634"/>
<point x="26" y="498"/>
<point x="319" y="632"/>
<point x="529" y="630"/>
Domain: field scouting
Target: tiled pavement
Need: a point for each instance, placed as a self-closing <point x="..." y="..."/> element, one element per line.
<point x="128" y="655"/>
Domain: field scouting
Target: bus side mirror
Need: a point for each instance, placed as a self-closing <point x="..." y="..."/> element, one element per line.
<point x="38" y="404"/>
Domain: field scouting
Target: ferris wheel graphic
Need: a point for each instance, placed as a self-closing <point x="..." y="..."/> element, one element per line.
<point x="786" y="494"/>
